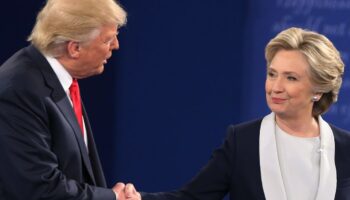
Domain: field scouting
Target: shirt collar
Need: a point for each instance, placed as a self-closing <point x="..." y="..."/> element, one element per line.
<point x="63" y="76"/>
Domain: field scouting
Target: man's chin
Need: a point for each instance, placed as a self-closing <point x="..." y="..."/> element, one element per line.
<point x="100" y="69"/>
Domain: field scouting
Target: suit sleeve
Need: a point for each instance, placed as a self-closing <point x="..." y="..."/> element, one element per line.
<point x="212" y="182"/>
<point x="29" y="169"/>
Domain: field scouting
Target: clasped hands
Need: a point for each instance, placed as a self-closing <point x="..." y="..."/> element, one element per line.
<point x="126" y="192"/>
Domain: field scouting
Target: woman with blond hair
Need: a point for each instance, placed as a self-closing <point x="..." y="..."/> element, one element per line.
<point x="292" y="153"/>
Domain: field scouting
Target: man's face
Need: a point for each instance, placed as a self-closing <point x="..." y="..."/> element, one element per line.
<point x="95" y="53"/>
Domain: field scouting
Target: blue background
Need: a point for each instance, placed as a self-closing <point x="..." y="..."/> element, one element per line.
<point x="184" y="72"/>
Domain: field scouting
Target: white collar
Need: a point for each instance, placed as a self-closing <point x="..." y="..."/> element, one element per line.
<point x="63" y="76"/>
<point x="269" y="166"/>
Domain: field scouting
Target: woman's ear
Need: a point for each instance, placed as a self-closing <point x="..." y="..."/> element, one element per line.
<point x="317" y="96"/>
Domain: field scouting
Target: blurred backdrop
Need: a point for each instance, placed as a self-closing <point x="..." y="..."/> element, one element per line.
<point x="186" y="69"/>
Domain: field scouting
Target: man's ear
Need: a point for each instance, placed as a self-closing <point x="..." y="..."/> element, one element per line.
<point x="73" y="49"/>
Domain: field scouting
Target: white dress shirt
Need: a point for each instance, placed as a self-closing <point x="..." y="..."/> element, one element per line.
<point x="66" y="80"/>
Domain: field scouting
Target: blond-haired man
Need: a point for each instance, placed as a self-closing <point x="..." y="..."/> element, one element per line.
<point x="46" y="143"/>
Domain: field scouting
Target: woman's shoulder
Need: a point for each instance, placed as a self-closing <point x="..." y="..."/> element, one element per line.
<point x="247" y="124"/>
<point x="247" y="128"/>
<point x="338" y="129"/>
<point x="340" y="133"/>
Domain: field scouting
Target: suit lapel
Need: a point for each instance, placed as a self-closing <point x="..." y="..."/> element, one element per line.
<point x="66" y="109"/>
<point x="60" y="97"/>
<point x="94" y="158"/>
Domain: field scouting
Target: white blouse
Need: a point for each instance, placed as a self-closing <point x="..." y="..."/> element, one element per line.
<point x="299" y="160"/>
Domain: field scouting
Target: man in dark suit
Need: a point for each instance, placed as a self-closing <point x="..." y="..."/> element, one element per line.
<point x="46" y="143"/>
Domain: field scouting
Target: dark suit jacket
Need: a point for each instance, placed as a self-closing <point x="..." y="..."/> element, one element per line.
<point x="234" y="168"/>
<point x="42" y="152"/>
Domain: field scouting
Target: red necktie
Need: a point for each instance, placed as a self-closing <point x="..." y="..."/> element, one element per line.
<point x="75" y="97"/>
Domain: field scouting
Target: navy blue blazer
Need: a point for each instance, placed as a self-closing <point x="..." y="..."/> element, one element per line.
<point x="234" y="169"/>
<point x="42" y="152"/>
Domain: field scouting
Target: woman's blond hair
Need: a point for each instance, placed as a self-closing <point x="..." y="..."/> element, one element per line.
<point x="326" y="66"/>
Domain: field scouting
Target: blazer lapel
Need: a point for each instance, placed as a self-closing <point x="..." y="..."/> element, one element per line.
<point x="269" y="165"/>
<point x="328" y="175"/>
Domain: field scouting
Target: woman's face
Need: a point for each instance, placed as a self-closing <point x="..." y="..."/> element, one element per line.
<point x="288" y="87"/>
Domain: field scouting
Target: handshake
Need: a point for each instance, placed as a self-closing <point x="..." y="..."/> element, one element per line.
<point x="126" y="192"/>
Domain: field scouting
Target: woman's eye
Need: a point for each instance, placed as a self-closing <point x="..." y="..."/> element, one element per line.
<point x="291" y="78"/>
<point x="271" y="74"/>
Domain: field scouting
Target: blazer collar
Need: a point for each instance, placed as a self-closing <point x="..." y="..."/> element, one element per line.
<point x="269" y="165"/>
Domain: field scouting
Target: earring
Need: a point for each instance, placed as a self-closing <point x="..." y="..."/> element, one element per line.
<point x="314" y="98"/>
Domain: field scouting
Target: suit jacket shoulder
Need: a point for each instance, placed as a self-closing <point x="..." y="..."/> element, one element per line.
<point x="43" y="153"/>
<point x="342" y="152"/>
<point x="28" y="71"/>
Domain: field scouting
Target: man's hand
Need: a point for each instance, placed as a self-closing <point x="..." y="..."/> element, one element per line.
<point x="126" y="192"/>
<point x="131" y="193"/>
<point x="118" y="189"/>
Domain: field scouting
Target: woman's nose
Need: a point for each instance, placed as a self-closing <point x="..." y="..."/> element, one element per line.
<point x="277" y="85"/>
